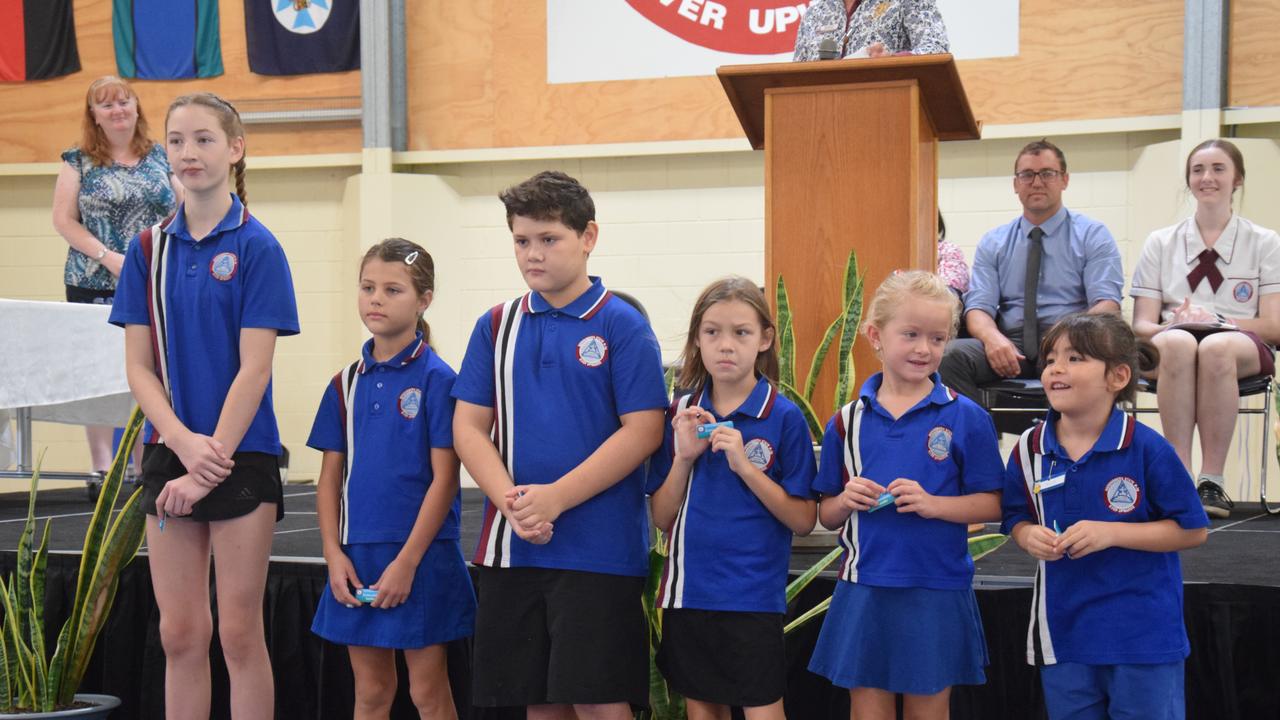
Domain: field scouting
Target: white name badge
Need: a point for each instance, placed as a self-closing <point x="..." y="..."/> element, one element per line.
<point x="1051" y="483"/>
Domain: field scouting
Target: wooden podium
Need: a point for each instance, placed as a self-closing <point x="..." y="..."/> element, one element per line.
<point x="851" y="162"/>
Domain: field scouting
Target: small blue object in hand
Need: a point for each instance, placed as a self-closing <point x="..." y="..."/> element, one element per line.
<point x="705" y="429"/>
<point x="366" y="595"/>
<point x="884" y="500"/>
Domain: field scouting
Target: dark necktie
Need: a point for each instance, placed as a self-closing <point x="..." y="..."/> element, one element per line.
<point x="1207" y="269"/>
<point x="1030" y="311"/>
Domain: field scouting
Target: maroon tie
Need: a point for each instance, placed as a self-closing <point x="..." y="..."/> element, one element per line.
<point x="1207" y="269"/>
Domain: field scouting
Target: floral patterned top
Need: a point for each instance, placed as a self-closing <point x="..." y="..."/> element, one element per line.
<point x="116" y="203"/>
<point x="904" y="26"/>
<point x="951" y="266"/>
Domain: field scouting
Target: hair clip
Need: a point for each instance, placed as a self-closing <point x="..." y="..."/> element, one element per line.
<point x="411" y="257"/>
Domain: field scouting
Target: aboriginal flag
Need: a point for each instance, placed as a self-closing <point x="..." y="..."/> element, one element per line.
<point x="166" y="40"/>
<point x="37" y="40"/>
<point x="296" y="37"/>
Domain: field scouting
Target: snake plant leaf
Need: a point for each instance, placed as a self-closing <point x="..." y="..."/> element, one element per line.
<point x="847" y="374"/>
<point x="810" y="415"/>
<point x="37" y="594"/>
<point x="786" y="335"/>
<point x="25" y="675"/>
<point x="89" y="558"/>
<point x="122" y="543"/>
<point x="808" y="615"/>
<point x="981" y="546"/>
<point x="20" y="586"/>
<point x="800" y="583"/>
<point x="42" y="701"/>
<point x="820" y="356"/>
<point x="58" y="663"/>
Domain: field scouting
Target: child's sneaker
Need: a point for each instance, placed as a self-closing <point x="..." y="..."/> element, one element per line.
<point x="1214" y="499"/>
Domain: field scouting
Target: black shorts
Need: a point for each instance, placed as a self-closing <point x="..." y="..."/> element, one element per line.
<point x="86" y="296"/>
<point x="728" y="658"/>
<point x="559" y="636"/>
<point x="254" y="480"/>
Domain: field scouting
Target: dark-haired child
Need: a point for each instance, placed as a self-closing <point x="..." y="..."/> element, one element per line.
<point x="560" y="401"/>
<point x="1104" y="504"/>
<point x="387" y="501"/>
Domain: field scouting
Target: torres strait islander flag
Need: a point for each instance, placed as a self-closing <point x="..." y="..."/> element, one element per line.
<point x="297" y="37"/>
<point x="37" y="40"/>
<point x="166" y="39"/>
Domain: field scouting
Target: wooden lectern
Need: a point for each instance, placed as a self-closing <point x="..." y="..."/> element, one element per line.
<point x="851" y="162"/>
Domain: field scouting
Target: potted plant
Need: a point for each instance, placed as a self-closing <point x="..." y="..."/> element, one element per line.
<point x="37" y="683"/>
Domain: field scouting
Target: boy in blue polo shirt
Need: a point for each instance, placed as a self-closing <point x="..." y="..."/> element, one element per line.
<point x="1104" y="504"/>
<point x="560" y="400"/>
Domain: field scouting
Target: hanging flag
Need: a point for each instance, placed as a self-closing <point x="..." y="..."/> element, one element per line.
<point x="166" y="40"/>
<point x="37" y="40"/>
<point x="296" y="37"/>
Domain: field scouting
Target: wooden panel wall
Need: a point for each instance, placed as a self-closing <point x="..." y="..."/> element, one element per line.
<point x="477" y="77"/>
<point x="1254" y="58"/>
<point x="40" y="119"/>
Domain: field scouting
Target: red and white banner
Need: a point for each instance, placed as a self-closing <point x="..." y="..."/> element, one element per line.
<point x="596" y="40"/>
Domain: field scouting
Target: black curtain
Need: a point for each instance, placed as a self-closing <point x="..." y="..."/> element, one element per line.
<point x="1233" y="672"/>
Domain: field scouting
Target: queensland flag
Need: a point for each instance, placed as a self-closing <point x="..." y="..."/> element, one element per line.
<point x="166" y="40"/>
<point x="296" y="37"/>
<point x="37" y="40"/>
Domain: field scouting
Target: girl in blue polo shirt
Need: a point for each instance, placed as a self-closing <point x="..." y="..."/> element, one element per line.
<point x="387" y="501"/>
<point x="730" y="498"/>
<point x="1104" y="503"/>
<point x="203" y="296"/>
<point x="905" y="468"/>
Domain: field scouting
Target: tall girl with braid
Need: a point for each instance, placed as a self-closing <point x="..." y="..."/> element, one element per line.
<point x="1207" y="293"/>
<point x="202" y="297"/>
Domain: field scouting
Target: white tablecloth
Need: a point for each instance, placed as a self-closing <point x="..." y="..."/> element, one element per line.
<point x="64" y="361"/>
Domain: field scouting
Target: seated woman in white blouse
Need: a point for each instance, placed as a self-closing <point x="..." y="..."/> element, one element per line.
<point x="1207" y="292"/>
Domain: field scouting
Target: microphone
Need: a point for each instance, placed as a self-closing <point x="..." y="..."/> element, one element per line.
<point x="827" y="49"/>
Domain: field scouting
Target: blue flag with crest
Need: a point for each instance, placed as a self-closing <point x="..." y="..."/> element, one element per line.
<point x="297" y="37"/>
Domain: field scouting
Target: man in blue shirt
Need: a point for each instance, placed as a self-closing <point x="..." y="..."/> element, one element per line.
<point x="1076" y="265"/>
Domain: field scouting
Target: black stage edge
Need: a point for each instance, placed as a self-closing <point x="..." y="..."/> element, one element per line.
<point x="1232" y="672"/>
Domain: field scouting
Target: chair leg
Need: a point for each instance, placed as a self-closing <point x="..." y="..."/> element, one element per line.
<point x="1266" y="426"/>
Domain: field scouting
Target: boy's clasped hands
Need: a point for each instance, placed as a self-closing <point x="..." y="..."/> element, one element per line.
<point x="532" y="510"/>
<point x="1079" y="539"/>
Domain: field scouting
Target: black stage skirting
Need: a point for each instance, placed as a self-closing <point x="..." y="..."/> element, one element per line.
<point x="1233" y="671"/>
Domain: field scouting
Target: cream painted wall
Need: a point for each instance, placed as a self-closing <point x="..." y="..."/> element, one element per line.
<point x="669" y="225"/>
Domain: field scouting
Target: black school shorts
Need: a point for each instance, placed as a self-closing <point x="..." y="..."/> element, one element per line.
<point x="559" y="636"/>
<point x="728" y="658"/>
<point x="254" y="480"/>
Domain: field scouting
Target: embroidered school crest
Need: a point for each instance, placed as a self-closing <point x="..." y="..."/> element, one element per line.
<point x="939" y="443"/>
<point x="1122" y="494"/>
<point x="592" y="350"/>
<point x="1243" y="291"/>
<point x="759" y="453"/>
<point x="224" y="265"/>
<point x="410" y="403"/>
<point x="302" y="16"/>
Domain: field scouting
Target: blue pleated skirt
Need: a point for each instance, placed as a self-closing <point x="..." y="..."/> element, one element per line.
<point x="904" y="640"/>
<point x="441" y="606"/>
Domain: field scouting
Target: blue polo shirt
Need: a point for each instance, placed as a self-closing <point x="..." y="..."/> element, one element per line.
<point x="207" y="291"/>
<point x="386" y="417"/>
<point x="1116" y="606"/>
<point x="564" y="378"/>
<point x="948" y="445"/>
<point x="726" y="550"/>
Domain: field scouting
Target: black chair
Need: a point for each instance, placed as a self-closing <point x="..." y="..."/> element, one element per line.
<point x="1029" y="391"/>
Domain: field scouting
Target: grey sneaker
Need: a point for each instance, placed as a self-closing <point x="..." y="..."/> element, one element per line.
<point x="1214" y="499"/>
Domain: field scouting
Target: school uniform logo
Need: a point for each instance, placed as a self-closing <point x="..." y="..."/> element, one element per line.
<point x="1243" y="291"/>
<point x="1122" y="494"/>
<point x="224" y="265"/>
<point x="759" y="453"/>
<point x="939" y="443"/>
<point x="410" y="403"/>
<point x="592" y="350"/>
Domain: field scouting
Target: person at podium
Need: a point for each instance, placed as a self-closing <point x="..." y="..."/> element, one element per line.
<point x="1047" y="263"/>
<point x="870" y="28"/>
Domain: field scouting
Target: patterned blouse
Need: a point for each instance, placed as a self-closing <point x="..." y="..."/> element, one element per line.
<point x="116" y="203"/>
<point x="951" y="266"/>
<point x="904" y="26"/>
